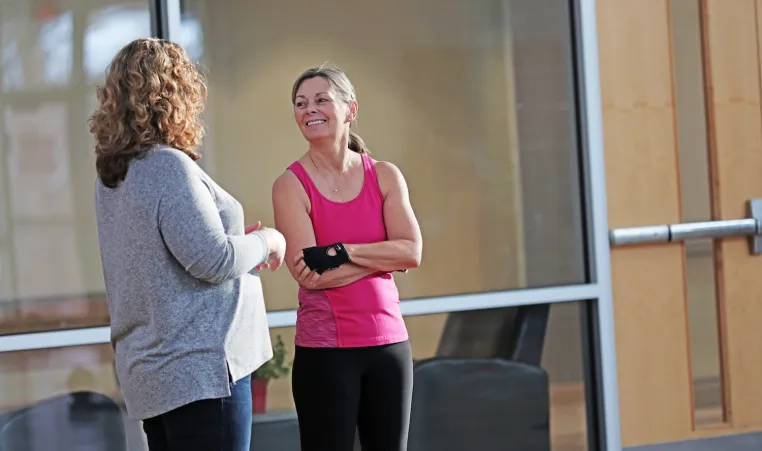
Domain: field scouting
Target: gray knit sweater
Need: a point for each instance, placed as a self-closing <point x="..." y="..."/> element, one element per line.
<point x="186" y="305"/>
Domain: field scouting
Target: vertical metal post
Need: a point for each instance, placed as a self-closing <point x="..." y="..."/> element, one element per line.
<point x="165" y="19"/>
<point x="601" y="264"/>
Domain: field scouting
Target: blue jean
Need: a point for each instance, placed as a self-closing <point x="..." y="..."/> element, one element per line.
<point x="222" y="424"/>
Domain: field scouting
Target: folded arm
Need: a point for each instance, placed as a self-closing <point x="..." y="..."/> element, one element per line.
<point x="404" y="245"/>
<point x="339" y="277"/>
<point x="291" y="208"/>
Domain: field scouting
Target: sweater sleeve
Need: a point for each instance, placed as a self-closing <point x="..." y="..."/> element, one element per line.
<point x="191" y="227"/>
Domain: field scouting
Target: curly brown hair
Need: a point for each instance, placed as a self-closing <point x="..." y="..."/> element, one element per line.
<point x="153" y="95"/>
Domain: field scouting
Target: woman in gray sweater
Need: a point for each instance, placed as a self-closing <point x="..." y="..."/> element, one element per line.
<point x="188" y="320"/>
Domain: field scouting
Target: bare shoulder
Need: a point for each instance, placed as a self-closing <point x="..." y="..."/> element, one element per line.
<point x="288" y="187"/>
<point x="390" y="177"/>
<point x="286" y="181"/>
<point x="388" y="170"/>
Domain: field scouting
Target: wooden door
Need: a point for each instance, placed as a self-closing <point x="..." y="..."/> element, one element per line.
<point x="683" y="119"/>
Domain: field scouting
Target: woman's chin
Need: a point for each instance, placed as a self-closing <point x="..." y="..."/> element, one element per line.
<point x="318" y="137"/>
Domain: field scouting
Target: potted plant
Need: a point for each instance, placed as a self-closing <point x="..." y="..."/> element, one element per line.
<point x="274" y="368"/>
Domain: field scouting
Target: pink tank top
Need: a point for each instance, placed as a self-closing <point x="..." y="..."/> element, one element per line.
<point x="366" y="312"/>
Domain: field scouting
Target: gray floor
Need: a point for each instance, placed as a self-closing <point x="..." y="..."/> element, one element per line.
<point x="744" y="442"/>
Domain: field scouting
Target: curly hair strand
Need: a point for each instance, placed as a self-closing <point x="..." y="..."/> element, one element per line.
<point x="153" y="95"/>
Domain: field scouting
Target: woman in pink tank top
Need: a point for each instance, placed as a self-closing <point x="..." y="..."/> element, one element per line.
<point x="349" y="227"/>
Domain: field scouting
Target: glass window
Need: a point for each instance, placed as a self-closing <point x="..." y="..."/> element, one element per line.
<point x="476" y="107"/>
<point x="53" y="395"/>
<point x="109" y="27"/>
<point x="544" y="381"/>
<point x="540" y="400"/>
<point x="52" y="55"/>
<point x="36" y="45"/>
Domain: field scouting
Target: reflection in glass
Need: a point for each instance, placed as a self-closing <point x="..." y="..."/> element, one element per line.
<point x="696" y="206"/>
<point x="42" y="44"/>
<point x="191" y="36"/>
<point x="476" y="108"/>
<point x="64" y="398"/>
<point x="35" y="50"/>
<point x="488" y="146"/>
<point x="540" y="373"/>
<point x="111" y="27"/>
<point x="50" y="275"/>
<point x="525" y="391"/>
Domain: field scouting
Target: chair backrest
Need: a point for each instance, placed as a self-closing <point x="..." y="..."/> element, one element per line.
<point x="81" y="421"/>
<point x="516" y="333"/>
<point x="479" y="404"/>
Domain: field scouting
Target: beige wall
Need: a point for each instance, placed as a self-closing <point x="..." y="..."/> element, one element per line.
<point x="433" y="99"/>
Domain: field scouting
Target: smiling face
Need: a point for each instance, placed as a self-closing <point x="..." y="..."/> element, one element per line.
<point x="320" y="112"/>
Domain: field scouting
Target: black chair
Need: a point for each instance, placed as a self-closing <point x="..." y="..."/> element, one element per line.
<point x="479" y="404"/>
<point x="275" y="431"/>
<point x="516" y="334"/>
<point x="81" y="421"/>
<point x="485" y="390"/>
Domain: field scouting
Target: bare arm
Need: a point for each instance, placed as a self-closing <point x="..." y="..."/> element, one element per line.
<point x="339" y="277"/>
<point x="404" y="244"/>
<point x="290" y="206"/>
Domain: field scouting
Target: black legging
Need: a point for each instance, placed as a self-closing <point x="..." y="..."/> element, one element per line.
<point x="339" y="389"/>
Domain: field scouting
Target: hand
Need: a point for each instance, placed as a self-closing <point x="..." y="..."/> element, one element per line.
<point x="252" y="227"/>
<point x="305" y="276"/>
<point x="277" y="249"/>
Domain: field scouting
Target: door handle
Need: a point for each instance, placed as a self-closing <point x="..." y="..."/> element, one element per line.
<point x="750" y="227"/>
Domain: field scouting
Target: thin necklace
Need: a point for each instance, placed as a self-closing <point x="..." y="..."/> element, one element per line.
<point x="335" y="190"/>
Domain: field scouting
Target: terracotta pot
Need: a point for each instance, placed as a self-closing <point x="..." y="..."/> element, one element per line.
<point x="259" y="395"/>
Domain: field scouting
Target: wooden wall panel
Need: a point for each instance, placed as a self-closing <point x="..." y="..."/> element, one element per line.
<point x="643" y="189"/>
<point x="732" y="60"/>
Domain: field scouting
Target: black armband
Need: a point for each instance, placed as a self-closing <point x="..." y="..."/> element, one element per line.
<point x="318" y="258"/>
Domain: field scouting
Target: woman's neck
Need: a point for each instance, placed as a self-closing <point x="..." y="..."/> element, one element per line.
<point x="331" y="156"/>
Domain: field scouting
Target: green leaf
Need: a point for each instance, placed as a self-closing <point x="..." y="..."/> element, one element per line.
<point x="277" y="367"/>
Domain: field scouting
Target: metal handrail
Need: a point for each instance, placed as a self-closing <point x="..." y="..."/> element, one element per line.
<point x="681" y="232"/>
<point x="750" y="227"/>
